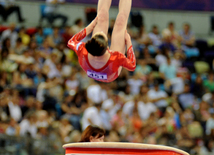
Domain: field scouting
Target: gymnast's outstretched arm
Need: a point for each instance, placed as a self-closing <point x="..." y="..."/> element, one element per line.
<point x="73" y="43"/>
<point x="130" y="62"/>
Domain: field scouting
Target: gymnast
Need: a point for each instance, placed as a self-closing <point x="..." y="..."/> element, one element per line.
<point x="95" y="57"/>
<point x="93" y="134"/>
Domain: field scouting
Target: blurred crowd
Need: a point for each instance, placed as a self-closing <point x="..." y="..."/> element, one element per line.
<point x="44" y="93"/>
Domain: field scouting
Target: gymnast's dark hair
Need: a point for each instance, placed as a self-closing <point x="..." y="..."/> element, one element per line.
<point x="93" y="131"/>
<point x="97" y="45"/>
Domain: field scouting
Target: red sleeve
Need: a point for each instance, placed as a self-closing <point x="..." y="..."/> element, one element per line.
<point x="130" y="62"/>
<point x="74" y="42"/>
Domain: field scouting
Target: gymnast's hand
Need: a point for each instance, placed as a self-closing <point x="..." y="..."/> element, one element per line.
<point x="127" y="39"/>
<point x="91" y="26"/>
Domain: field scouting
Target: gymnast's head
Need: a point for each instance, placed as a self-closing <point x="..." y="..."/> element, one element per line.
<point x="93" y="134"/>
<point x="97" y="45"/>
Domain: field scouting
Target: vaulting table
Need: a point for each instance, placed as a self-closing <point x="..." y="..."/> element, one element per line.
<point x="113" y="148"/>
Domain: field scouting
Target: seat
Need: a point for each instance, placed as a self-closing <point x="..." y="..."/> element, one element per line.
<point x="201" y="67"/>
<point x="202" y="46"/>
<point x="31" y="31"/>
<point x="189" y="64"/>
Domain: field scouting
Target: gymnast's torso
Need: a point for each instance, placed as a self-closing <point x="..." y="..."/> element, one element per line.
<point x="109" y="72"/>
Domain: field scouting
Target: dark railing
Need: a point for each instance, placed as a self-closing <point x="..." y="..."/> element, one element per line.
<point x="12" y="145"/>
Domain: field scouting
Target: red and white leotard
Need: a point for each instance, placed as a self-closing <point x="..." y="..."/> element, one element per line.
<point x="109" y="72"/>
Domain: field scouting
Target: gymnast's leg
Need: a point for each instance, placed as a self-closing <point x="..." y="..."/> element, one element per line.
<point x="119" y="30"/>
<point x="103" y="16"/>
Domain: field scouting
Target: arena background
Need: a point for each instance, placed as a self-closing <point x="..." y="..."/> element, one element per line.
<point x="190" y="5"/>
<point x="152" y="16"/>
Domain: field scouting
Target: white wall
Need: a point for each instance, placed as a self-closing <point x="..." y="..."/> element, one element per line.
<point x="200" y="21"/>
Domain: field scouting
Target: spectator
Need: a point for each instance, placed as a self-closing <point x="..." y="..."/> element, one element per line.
<point x="91" y="116"/>
<point x="11" y="34"/>
<point x="65" y="129"/>
<point x="178" y="59"/>
<point x="167" y="44"/>
<point x="50" y="66"/>
<point x="6" y="64"/>
<point x="20" y="78"/>
<point x="7" y="7"/>
<point x="38" y="106"/>
<point x="186" y="99"/>
<point x="84" y="80"/>
<point x="135" y="83"/>
<point x="136" y="121"/>
<point x="130" y="106"/>
<point x="209" y="98"/>
<point x="6" y="44"/>
<point x="147" y="108"/>
<point x="202" y="114"/>
<point x="4" y="108"/>
<point x="53" y="94"/>
<point x="113" y="137"/>
<point x="55" y="38"/>
<point x="42" y="119"/>
<point x="187" y="36"/>
<point x="29" y="105"/>
<point x="72" y="83"/>
<point x="158" y="97"/>
<point x="118" y="122"/>
<point x="207" y="148"/>
<point x="51" y="11"/>
<point x="30" y="71"/>
<point x="14" y="108"/>
<point x="105" y="114"/>
<point x="44" y="91"/>
<point x="143" y="36"/>
<point x="45" y="49"/>
<point x="39" y="36"/>
<point x="95" y="94"/>
<point x="22" y="59"/>
<point x="126" y="94"/>
<point x="28" y="125"/>
<point x="24" y="36"/>
<point x="113" y="104"/>
<point x="4" y="80"/>
<point x="198" y="85"/>
<point x="155" y="36"/>
<point x="177" y="83"/>
<point x="142" y="69"/>
<point x="32" y="48"/>
<point x="122" y="80"/>
<point x="42" y="134"/>
<point x="75" y="136"/>
<point x="209" y="83"/>
<point x="67" y="34"/>
<point x="161" y="57"/>
<point x="78" y="26"/>
<point x="185" y="142"/>
<point x="74" y="105"/>
<point x="13" y="129"/>
<point x="147" y="56"/>
<point x="20" y="47"/>
<point x="171" y="34"/>
<point x="143" y="92"/>
<point x="188" y="41"/>
<point x="168" y="70"/>
<point x="210" y="122"/>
